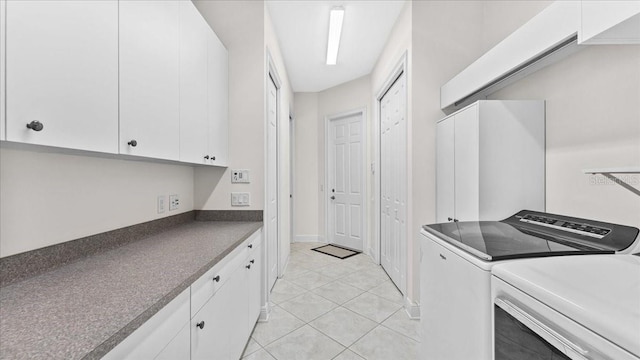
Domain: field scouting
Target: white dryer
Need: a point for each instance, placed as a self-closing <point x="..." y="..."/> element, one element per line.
<point x="574" y="307"/>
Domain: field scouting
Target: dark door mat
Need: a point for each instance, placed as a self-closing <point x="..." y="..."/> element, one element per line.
<point x="336" y="251"/>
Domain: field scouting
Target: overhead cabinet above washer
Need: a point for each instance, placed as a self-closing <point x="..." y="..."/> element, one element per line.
<point x="490" y="161"/>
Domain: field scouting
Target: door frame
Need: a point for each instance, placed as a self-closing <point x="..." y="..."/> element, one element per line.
<point x="399" y="69"/>
<point x="363" y="136"/>
<point x="271" y="72"/>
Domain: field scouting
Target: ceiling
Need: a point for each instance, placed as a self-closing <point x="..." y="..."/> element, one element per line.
<point x="302" y="27"/>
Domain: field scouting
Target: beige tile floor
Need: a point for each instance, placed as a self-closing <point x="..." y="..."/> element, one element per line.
<point x="328" y="308"/>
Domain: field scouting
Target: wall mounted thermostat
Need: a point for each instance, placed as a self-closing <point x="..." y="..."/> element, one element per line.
<point x="240" y="176"/>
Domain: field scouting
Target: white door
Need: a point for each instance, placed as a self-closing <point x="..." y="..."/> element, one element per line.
<point x="62" y="70"/>
<point x="272" y="183"/>
<point x="467" y="165"/>
<point x="393" y="181"/>
<point x="149" y="78"/>
<point x="346" y="193"/>
<point x="445" y="174"/>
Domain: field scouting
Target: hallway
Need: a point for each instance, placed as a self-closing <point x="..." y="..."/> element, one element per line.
<point x="328" y="308"/>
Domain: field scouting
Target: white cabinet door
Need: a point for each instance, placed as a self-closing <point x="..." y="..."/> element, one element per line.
<point x="467" y="165"/>
<point x="218" y="330"/>
<point x="161" y="335"/>
<point x="3" y="9"/>
<point x="445" y="165"/>
<point x="179" y="348"/>
<point x="194" y="126"/>
<point x="62" y="71"/>
<point x="255" y="287"/>
<point x="218" y="100"/>
<point x="149" y="79"/>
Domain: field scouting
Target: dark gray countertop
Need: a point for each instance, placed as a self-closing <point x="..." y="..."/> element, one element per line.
<point x="84" y="309"/>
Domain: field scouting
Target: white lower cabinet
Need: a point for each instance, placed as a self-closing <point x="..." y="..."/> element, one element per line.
<point x="212" y="319"/>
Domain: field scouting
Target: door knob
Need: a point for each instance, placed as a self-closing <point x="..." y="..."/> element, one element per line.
<point x="132" y="143"/>
<point x="333" y="197"/>
<point x="35" y="125"/>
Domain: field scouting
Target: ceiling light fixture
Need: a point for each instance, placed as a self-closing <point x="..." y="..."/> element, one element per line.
<point x="335" y="29"/>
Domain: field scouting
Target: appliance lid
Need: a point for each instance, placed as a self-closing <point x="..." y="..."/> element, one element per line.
<point x="501" y="241"/>
<point x="601" y="293"/>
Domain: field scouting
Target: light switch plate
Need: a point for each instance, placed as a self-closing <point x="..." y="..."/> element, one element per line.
<point x="240" y="176"/>
<point x="160" y="204"/>
<point x="240" y="199"/>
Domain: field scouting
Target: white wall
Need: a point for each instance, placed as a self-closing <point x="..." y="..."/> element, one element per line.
<point x="49" y="198"/>
<point x="240" y="27"/>
<point x="593" y="121"/>
<point x="307" y="180"/>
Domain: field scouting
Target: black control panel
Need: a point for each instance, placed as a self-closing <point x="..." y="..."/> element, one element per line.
<point x="590" y="233"/>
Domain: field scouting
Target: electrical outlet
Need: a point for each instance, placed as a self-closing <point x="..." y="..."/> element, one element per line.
<point x="174" y="202"/>
<point x="240" y="176"/>
<point x="160" y="204"/>
<point x="240" y="199"/>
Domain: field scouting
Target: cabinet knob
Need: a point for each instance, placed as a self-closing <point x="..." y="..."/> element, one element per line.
<point x="450" y="219"/>
<point x="333" y="197"/>
<point x="250" y="246"/>
<point x="35" y="125"/>
<point x="252" y="261"/>
<point x="217" y="278"/>
<point x="200" y="324"/>
<point x="213" y="157"/>
<point x="206" y="157"/>
<point x="248" y="266"/>
<point x="132" y="143"/>
<point x="455" y="220"/>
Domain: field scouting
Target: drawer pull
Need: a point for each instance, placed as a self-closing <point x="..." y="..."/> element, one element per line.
<point x="200" y="324"/>
<point x="248" y="266"/>
<point x="35" y="125"/>
<point x="250" y="246"/>
<point x="217" y="278"/>
<point x="252" y="261"/>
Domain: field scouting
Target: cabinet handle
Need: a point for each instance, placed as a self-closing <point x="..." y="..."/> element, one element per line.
<point x="213" y="157"/>
<point x="450" y="219"/>
<point x="252" y="261"/>
<point x="132" y="143"/>
<point x="200" y="324"/>
<point x="443" y="257"/>
<point x="217" y="278"/>
<point x="248" y="266"/>
<point x="250" y="246"/>
<point x="35" y="125"/>
<point x="455" y="220"/>
<point x="206" y="157"/>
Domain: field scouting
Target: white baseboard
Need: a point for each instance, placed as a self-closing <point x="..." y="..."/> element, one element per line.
<point x="265" y="311"/>
<point x="412" y="308"/>
<point x="308" y="238"/>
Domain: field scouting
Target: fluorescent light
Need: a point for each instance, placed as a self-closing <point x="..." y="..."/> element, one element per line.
<point x="335" y="29"/>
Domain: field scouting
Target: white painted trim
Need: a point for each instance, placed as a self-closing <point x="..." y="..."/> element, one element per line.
<point x="365" y="199"/>
<point x="411" y="308"/>
<point x="308" y="238"/>
<point x="292" y="176"/>
<point x="400" y="68"/>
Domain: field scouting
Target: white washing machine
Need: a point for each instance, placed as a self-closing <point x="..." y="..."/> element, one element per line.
<point x="456" y="262"/>
<point x="575" y="307"/>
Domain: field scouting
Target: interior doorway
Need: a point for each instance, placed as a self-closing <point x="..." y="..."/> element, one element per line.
<point x="345" y="171"/>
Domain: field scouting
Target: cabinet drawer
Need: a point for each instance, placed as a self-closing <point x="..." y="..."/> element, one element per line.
<point x="213" y="280"/>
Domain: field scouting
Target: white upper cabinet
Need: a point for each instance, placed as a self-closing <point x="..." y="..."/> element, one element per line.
<point x="62" y="74"/>
<point x="610" y="22"/>
<point x="490" y="161"/>
<point x="149" y="79"/>
<point x="3" y="9"/>
<point x="194" y="128"/>
<point x="218" y="100"/>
